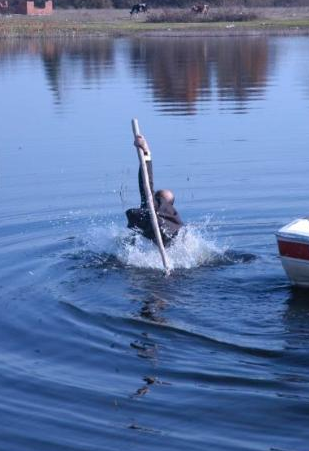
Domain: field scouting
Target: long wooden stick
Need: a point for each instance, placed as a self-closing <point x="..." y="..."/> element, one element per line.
<point x="152" y="212"/>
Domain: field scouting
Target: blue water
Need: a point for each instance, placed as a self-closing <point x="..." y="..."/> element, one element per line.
<point x="99" y="350"/>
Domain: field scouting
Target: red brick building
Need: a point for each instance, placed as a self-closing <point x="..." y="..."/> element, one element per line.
<point x="27" y="7"/>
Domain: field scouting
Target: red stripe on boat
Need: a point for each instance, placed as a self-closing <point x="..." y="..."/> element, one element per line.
<point x="294" y="250"/>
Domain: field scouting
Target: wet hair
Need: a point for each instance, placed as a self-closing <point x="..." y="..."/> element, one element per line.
<point x="165" y="194"/>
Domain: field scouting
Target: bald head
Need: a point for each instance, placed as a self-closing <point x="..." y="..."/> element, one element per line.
<point x="165" y="194"/>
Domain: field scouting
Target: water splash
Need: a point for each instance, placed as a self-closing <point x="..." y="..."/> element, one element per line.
<point x="194" y="246"/>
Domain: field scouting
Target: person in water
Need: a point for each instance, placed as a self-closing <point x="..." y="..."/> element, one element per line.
<point x="168" y="218"/>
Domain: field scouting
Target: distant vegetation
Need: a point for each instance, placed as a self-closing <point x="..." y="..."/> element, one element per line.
<point x="90" y="4"/>
<point x="176" y="3"/>
<point x="232" y="14"/>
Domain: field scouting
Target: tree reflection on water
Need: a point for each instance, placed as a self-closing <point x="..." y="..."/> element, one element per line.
<point x="64" y="60"/>
<point x="88" y="58"/>
<point x="176" y="69"/>
<point x="182" y="74"/>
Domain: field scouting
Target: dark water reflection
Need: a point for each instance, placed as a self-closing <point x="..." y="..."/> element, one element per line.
<point x="98" y="350"/>
<point x="90" y="59"/>
<point x="181" y="73"/>
<point x="184" y="72"/>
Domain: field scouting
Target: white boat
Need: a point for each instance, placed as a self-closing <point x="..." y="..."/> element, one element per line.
<point x="293" y="243"/>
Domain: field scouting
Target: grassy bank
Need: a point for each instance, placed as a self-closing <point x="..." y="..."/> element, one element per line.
<point x="118" y="23"/>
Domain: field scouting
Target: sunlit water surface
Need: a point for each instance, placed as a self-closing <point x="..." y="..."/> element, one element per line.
<point x="100" y="351"/>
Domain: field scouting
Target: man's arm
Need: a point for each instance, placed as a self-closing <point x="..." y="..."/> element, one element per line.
<point x="142" y="143"/>
<point x="141" y="183"/>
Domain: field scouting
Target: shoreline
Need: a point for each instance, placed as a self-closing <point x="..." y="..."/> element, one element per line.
<point x="115" y="23"/>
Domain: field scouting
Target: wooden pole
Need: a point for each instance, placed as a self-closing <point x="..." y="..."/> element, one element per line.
<point x="150" y="204"/>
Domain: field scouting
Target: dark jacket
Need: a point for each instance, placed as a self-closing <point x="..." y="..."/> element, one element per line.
<point x="168" y="217"/>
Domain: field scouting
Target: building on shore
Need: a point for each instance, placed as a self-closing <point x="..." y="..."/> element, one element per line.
<point x="27" y="7"/>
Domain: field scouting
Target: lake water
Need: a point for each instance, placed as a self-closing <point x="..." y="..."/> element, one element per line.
<point x="100" y="351"/>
